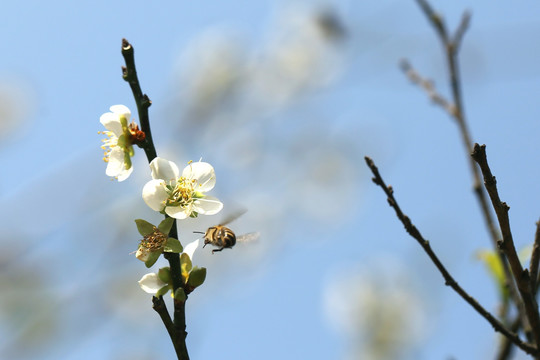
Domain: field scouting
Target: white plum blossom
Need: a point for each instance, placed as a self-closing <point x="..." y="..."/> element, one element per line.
<point x="181" y="195"/>
<point x="190" y="248"/>
<point x="118" y="145"/>
<point x="151" y="283"/>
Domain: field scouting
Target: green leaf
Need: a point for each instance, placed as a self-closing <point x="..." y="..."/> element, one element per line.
<point x="152" y="258"/>
<point x="163" y="291"/>
<point x="173" y="245"/>
<point x="164" y="274"/>
<point x="197" y="277"/>
<point x="180" y="295"/>
<point x="166" y="225"/>
<point x="495" y="268"/>
<point x="144" y="227"/>
<point x="185" y="266"/>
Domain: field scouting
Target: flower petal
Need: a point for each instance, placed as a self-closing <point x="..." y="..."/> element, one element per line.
<point x="208" y="205"/>
<point x="124" y="174"/>
<point x="142" y="254"/>
<point x="204" y="174"/>
<point x="177" y="212"/>
<point x="151" y="283"/>
<point x="121" y="110"/>
<point x="116" y="162"/>
<point x="190" y="248"/>
<point x="154" y="194"/>
<point x="164" y="169"/>
<point x="111" y="123"/>
<point x="116" y="166"/>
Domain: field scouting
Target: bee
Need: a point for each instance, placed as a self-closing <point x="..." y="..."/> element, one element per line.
<point x="223" y="237"/>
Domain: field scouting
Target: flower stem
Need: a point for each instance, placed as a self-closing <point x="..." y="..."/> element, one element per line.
<point x="176" y="327"/>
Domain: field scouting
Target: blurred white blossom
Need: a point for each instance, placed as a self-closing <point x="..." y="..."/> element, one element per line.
<point x="298" y="57"/>
<point x="377" y="309"/>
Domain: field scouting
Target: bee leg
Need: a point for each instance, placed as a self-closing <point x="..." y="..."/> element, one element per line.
<point x="215" y="250"/>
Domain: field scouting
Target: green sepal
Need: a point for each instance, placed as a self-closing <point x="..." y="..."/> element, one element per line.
<point x="127" y="157"/>
<point x="124" y="123"/>
<point x="197" y="277"/>
<point x="164" y="274"/>
<point x="180" y="295"/>
<point x="194" y="214"/>
<point x="173" y="245"/>
<point x="163" y="291"/>
<point x="166" y="225"/>
<point x="123" y="141"/>
<point x="144" y="227"/>
<point x="152" y="258"/>
<point x="185" y="266"/>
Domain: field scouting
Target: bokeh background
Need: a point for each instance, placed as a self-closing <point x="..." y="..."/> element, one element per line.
<point x="284" y="99"/>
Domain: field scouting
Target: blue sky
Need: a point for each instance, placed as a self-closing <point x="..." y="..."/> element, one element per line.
<point x="293" y="158"/>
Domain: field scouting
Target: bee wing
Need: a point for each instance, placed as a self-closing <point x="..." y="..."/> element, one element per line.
<point x="235" y="215"/>
<point x="249" y="237"/>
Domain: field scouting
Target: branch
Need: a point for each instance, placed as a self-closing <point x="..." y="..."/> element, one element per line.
<point x="460" y="31"/>
<point x="449" y="280"/>
<point x="435" y="19"/>
<point x="451" y="47"/>
<point x="535" y="259"/>
<point x="505" y="348"/>
<point x="160" y="307"/>
<point x="428" y="86"/>
<point x="521" y="276"/>
<point x="129" y="73"/>
<point x="178" y="336"/>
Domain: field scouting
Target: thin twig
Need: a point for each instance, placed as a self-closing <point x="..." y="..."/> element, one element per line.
<point x="435" y="19"/>
<point x="428" y="87"/>
<point x="535" y="259"/>
<point x="521" y="276"/>
<point x="460" y="31"/>
<point x="129" y="73"/>
<point x="506" y="346"/>
<point x="449" y="280"/>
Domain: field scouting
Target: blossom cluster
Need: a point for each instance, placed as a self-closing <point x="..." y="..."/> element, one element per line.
<point x="177" y="195"/>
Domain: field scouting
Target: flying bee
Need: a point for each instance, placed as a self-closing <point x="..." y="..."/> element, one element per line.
<point x="223" y="237"/>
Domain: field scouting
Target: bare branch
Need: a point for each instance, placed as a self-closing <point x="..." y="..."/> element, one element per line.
<point x="428" y="87"/>
<point x="451" y="47"/>
<point x="535" y="259"/>
<point x="460" y="31"/>
<point x="435" y="19"/>
<point x="449" y="280"/>
<point x="506" y="346"/>
<point x="521" y="276"/>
